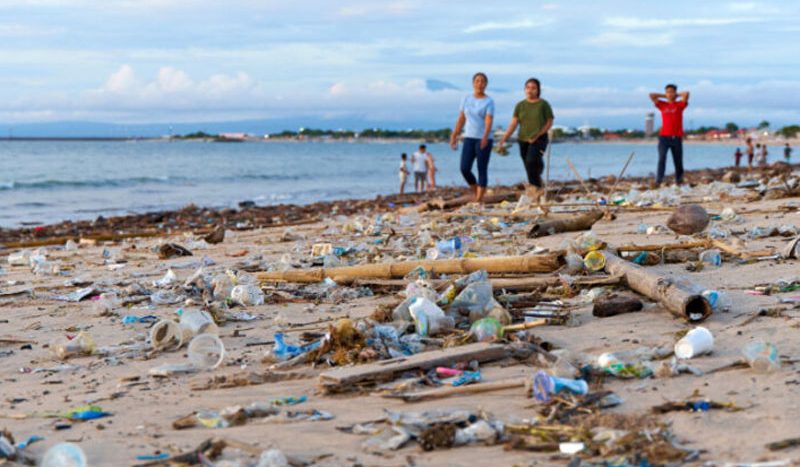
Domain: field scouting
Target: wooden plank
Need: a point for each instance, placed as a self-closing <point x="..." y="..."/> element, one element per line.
<point x="385" y="369"/>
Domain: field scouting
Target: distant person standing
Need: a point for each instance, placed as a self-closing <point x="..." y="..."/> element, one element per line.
<point x="419" y="163"/>
<point x="475" y="117"/>
<point x="431" y="172"/>
<point x="787" y="153"/>
<point x="535" y="118"/>
<point x="762" y="158"/>
<point x="738" y="156"/>
<point x="750" y="152"/>
<point x="403" y="173"/>
<point x="671" y="104"/>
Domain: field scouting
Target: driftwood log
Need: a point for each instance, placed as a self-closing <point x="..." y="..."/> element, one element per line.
<point x="492" y="265"/>
<point x="613" y="304"/>
<point x="571" y="223"/>
<point x="498" y="283"/>
<point x="681" y="299"/>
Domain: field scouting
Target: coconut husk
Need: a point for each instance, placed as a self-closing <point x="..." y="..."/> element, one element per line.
<point x="688" y="219"/>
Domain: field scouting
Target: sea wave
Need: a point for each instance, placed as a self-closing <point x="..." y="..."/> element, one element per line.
<point x="54" y="184"/>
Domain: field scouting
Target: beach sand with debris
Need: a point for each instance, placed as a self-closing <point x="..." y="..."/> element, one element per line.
<point x="38" y="388"/>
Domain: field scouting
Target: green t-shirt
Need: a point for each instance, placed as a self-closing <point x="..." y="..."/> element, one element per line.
<point x="532" y="117"/>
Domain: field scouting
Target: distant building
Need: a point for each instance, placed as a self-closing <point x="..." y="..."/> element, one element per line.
<point x="649" y="123"/>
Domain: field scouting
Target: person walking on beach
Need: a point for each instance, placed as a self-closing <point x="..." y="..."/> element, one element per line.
<point x="750" y="152"/>
<point x="534" y="116"/>
<point x="403" y="173"/>
<point x="787" y="153"/>
<point x="762" y="158"/>
<point x="738" y="156"/>
<point x="419" y="163"/>
<point x="671" y="104"/>
<point x="475" y="117"/>
<point x="431" y="173"/>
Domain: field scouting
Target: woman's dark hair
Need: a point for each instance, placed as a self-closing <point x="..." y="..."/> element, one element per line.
<point x="481" y="74"/>
<point x="403" y="156"/>
<point x="538" y="85"/>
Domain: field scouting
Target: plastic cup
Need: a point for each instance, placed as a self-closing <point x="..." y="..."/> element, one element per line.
<point x="195" y="322"/>
<point x="696" y="342"/>
<point x="761" y="356"/>
<point x="64" y="455"/>
<point x="594" y="260"/>
<point x="166" y="335"/>
<point x="206" y="351"/>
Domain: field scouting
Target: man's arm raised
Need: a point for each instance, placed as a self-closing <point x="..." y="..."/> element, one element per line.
<point x="685" y="97"/>
<point x="654" y="96"/>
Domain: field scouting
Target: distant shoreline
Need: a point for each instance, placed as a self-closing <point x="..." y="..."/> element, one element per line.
<point x="634" y="141"/>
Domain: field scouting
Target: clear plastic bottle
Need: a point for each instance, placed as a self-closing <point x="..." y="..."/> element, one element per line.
<point x="80" y="345"/>
<point x="64" y="455"/>
<point x="712" y="257"/>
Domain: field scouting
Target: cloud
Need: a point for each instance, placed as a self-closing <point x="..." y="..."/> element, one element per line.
<point x="395" y="8"/>
<point x="647" y="23"/>
<point x="22" y="30"/>
<point x="174" y="89"/>
<point x="507" y="25"/>
<point x="609" y="39"/>
<point x="439" y="85"/>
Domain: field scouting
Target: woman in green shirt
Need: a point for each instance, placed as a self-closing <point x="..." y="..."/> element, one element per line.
<point x="535" y="118"/>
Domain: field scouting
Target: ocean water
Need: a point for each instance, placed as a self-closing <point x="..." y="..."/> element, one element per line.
<point x="45" y="182"/>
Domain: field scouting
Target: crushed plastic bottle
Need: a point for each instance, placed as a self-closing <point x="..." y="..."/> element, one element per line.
<point x="574" y="263"/>
<point x="283" y="351"/>
<point x="64" y="455"/>
<point x="104" y="304"/>
<point x="166" y="281"/>
<point x="719" y="301"/>
<point x="451" y="248"/>
<point x="247" y="295"/>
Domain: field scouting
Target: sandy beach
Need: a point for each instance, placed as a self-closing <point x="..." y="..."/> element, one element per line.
<point x="38" y="388"/>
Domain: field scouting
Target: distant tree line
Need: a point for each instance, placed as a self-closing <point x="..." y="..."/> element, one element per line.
<point x="436" y="135"/>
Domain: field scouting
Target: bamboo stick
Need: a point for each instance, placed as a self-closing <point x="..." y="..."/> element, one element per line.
<point x="523" y="326"/>
<point x="666" y="246"/>
<point x="511" y="283"/>
<point x="682" y="300"/>
<point x="565" y="224"/>
<point x="492" y="264"/>
<point x="440" y="393"/>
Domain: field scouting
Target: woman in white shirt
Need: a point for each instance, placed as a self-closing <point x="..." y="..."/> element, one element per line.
<point x="475" y="117"/>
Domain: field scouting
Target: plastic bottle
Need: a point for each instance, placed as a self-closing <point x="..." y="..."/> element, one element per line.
<point x="718" y="300"/>
<point x="486" y="330"/>
<point x="544" y="386"/>
<point x="64" y="455"/>
<point x="712" y="257"/>
<point x="19" y="258"/>
<point x="194" y="322"/>
<point x="206" y="351"/>
<point x="574" y="263"/>
<point x="761" y="356"/>
<point x="81" y="344"/>
<point x="104" y="304"/>
<point x="429" y="319"/>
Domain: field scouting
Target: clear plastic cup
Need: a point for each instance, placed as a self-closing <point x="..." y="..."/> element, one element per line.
<point x="196" y="322"/>
<point x="64" y="455"/>
<point x="206" y="351"/>
<point x="166" y="335"/>
<point x="761" y="356"/>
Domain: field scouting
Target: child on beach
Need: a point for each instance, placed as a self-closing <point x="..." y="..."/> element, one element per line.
<point x="403" y="173"/>
<point x="787" y="153"/>
<point x="762" y="158"/>
<point x="750" y="152"/>
<point x="431" y="173"/>
<point x="738" y="156"/>
<point x="419" y="163"/>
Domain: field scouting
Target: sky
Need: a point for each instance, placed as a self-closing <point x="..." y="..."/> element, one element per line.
<point x="393" y="63"/>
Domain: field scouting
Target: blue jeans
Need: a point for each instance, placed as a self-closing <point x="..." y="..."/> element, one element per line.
<point x="470" y="151"/>
<point x="675" y="144"/>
